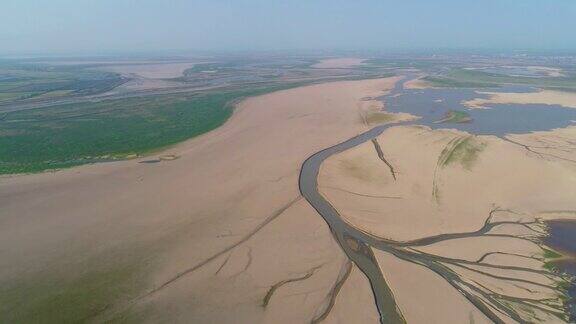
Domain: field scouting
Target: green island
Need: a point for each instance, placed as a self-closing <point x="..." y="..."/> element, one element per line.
<point x="455" y="116"/>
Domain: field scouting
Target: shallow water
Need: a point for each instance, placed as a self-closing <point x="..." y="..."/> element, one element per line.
<point x="433" y="104"/>
<point x="562" y="238"/>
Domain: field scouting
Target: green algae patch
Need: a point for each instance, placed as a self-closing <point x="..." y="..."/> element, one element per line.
<point x="462" y="150"/>
<point x="76" y="290"/>
<point x="550" y="254"/>
<point x="377" y="117"/>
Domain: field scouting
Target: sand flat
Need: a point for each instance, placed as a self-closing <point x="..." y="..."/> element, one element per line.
<point x="423" y="296"/>
<point x="226" y="184"/>
<point x="427" y="195"/>
<point x="545" y="97"/>
<point x="417" y="84"/>
<point x="448" y="182"/>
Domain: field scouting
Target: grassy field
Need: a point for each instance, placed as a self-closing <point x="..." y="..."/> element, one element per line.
<point x="68" y="135"/>
<point x="77" y="291"/>
<point x="463" y="150"/>
<point x="455" y="116"/>
<point x="378" y="117"/>
<point x="454" y="82"/>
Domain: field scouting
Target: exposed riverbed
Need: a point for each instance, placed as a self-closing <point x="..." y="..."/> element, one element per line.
<point x="431" y="105"/>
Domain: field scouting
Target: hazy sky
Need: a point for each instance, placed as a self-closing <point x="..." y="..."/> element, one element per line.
<point x="133" y="25"/>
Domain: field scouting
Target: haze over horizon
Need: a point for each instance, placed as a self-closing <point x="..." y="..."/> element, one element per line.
<point x="147" y="25"/>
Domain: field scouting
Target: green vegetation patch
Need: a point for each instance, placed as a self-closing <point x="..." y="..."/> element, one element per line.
<point x="550" y="266"/>
<point x="447" y="82"/>
<point x="73" y="134"/>
<point x="377" y="117"/>
<point x="77" y="290"/>
<point x="455" y="116"/>
<point x="552" y="259"/>
<point x="550" y="254"/>
<point x="463" y="150"/>
<point x="212" y="67"/>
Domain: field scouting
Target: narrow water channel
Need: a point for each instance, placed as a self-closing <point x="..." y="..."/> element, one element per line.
<point x="356" y="244"/>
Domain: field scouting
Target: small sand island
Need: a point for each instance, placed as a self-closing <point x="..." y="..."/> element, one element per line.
<point x="455" y="117"/>
<point x="546" y="97"/>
